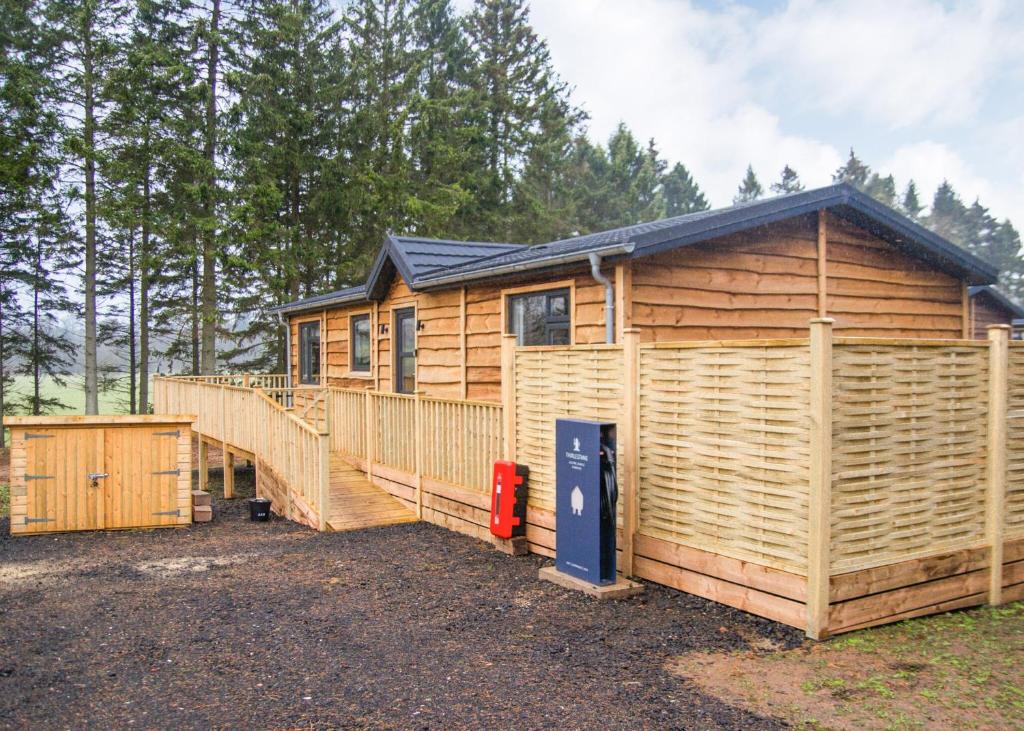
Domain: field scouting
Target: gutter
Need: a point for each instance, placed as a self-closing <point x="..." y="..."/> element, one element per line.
<point x="573" y="257"/>
<point x="609" y="297"/>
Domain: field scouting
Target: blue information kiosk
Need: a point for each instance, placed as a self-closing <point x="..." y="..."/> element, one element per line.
<point x="585" y="497"/>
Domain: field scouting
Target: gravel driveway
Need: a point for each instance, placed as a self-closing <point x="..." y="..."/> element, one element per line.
<point x="241" y="625"/>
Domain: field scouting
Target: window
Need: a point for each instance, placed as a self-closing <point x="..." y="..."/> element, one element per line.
<point x="540" y="318"/>
<point x="359" y="327"/>
<point x="309" y="353"/>
<point x="405" y="350"/>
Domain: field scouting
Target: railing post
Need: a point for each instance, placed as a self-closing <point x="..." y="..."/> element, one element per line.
<point x="325" y="478"/>
<point x="995" y="497"/>
<point x="418" y="451"/>
<point x="629" y="444"/>
<point x="508" y="395"/>
<point x="247" y="381"/>
<point x="820" y="488"/>
<point x="370" y="451"/>
<point x="227" y="461"/>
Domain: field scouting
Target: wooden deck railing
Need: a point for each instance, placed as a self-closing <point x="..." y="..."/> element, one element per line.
<point x="294" y="430"/>
<point x="251" y="421"/>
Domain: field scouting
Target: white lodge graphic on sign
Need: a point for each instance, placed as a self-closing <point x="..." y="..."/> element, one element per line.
<point x="576" y="498"/>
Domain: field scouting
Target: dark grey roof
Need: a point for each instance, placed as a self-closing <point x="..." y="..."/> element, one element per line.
<point x="426" y="255"/>
<point x="1005" y="300"/>
<point x="435" y="264"/>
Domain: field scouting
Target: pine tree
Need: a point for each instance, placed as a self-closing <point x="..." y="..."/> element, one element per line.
<point x="88" y="32"/>
<point x="516" y="87"/>
<point x="374" y="170"/>
<point x="681" y="193"/>
<point x="32" y="221"/>
<point x="443" y="128"/>
<point x="911" y="203"/>
<point x="285" y="75"/>
<point x="148" y="90"/>
<point x="882" y="189"/>
<point x="948" y="214"/>
<point x="789" y="182"/>
<point x="750" y="189"/>
<point x="853" y="172"/>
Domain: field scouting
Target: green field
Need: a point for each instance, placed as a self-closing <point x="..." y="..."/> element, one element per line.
<point x="72" y="394"/>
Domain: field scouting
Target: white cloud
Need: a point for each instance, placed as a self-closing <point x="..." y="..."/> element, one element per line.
<point x="721" y="85"/>
<point x="899" y="63"/>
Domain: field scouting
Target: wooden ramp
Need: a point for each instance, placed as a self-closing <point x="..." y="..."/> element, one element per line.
<point x="355" y="502"/>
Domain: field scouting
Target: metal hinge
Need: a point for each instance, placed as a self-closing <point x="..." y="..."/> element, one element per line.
<point x="38" y="477"/>
<point x="168" y="472"/>
<point x="30" y="435"/>
<point x="170" y="512"/>
<point x="39" y="520"/>
<point x="167" y="434"/>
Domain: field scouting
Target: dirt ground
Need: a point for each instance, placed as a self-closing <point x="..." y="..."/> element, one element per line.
<point x="272" y="626"/>
<point x="953" y="671"/>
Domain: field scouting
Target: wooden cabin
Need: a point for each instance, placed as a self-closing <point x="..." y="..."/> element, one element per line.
<point x="989" y="306"/>
<point x="432" y="312"/>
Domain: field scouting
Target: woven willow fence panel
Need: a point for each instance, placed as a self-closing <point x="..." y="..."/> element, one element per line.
<point x="724" y="450"/>
<point x="1015" y="445"/>
<point x="908" y="451"/>
<point x="584" y="382"/>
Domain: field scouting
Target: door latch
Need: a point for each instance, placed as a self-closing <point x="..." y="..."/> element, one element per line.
<point x="95" y="477"/>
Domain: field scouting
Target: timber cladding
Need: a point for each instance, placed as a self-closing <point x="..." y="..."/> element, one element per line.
<point x="99" y="472"/>
<point x="766" y="283"/>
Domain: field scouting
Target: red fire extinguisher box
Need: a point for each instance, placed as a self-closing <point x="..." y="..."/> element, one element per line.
<point x="508" y="499"/>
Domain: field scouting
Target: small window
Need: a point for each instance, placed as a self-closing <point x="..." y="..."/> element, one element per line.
<point x="360" y="329"/>
<point x="540" y="318"/>
<point x="309" y="353"/>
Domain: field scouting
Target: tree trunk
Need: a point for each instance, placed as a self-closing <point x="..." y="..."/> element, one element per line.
<point x="132" y="355"/>
<point x="36" y="356"/>
<point x="208" y="361"/>
<point x="3" y="372"/>
<point x="195" y="317"/>
<point x="92" y="403"/>
<point x="144" y="265"/>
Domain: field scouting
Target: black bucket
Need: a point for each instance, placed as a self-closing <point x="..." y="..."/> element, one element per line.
<point x="259" y="509"/>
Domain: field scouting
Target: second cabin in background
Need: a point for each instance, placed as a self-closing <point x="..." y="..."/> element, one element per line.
<point x="431" y="314"/>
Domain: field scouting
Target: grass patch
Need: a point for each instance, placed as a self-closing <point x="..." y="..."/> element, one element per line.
<point x="957" y="670"/>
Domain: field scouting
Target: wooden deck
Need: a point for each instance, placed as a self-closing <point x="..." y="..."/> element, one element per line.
<point x="355" y="502"/>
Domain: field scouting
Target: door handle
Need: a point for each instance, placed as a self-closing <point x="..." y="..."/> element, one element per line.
<point x="97" y="475"/>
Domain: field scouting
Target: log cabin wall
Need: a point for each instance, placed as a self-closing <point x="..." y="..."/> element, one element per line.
<point x="762" y="284"/>
<point x="451" y="323"/>
<point x="766" y="284"/>
<point x="984" y="312"/>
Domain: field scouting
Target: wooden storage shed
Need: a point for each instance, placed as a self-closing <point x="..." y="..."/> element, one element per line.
<point x="431" y="314"/>
<point x="71" y="473"/>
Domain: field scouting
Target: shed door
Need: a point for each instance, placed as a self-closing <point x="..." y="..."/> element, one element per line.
<point x="142" y="486"/>
<point x="59" y="494"/>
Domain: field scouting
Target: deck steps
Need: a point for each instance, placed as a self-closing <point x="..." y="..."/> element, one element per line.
<point x="355" y="502"/>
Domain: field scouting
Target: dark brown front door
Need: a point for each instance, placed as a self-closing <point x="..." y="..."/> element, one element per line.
<point x="405" y="350"/>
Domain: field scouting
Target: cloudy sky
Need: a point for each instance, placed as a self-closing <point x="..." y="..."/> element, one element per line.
<point x="924" y="89"/>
